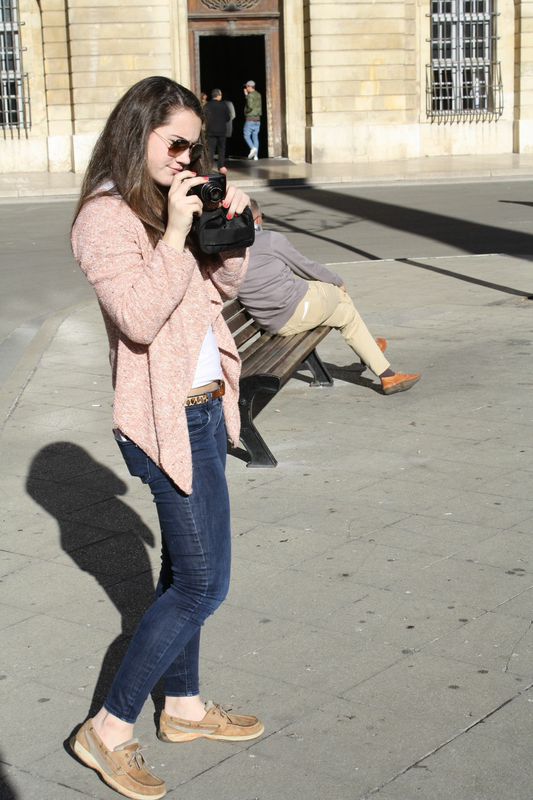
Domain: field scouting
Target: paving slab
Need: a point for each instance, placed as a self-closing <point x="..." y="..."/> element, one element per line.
<point x="492" y="641"/>
<point x="401" y="620"/>
<point x="519" y="605"/>
<point x="427" y="540"/>
<point x="475" y="765"/>
<point x="18" y="783"/>
<point x="461" y="582"/>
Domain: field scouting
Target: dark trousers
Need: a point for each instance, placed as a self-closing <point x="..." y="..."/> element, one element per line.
<point x="217" y="144"/>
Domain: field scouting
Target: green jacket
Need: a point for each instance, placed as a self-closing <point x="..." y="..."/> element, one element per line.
<point x="252" y="107"/>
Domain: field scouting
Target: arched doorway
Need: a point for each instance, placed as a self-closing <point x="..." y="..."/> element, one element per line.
<point x="230" y="47"/>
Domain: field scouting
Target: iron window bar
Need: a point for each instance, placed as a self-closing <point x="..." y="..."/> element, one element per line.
<point x="15" y="113"/>
<point x="463" y="80"/>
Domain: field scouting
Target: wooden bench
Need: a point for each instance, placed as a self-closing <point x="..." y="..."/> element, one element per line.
<point x="268" y="361"/>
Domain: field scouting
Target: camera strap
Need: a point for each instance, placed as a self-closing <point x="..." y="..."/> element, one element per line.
<point x="214" y="232"/>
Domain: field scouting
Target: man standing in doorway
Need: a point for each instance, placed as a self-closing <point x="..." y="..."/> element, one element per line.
<point x="229" y="124"/>
<point x="217" y="116"/>
<point x="252" y="119"/>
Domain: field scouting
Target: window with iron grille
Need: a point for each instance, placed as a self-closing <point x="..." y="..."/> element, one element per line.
<point x="463" y="80"/>
<point x="14" y="95"/>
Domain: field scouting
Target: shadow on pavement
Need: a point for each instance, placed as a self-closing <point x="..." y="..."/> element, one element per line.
<point x="517" y="202"/>
<point x="284" y="225"/>
<point x="7" y="792"/>
<point x="467" y="278"/>
<point x="354" y="374"/>
<point x="101" y="534"/>
<point x="471" y="237"/>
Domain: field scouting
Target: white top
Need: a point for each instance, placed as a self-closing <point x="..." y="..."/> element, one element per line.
<point x="208" y="368"/>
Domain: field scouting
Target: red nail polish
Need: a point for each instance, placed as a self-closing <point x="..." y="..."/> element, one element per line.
<point x="229" y="216"/>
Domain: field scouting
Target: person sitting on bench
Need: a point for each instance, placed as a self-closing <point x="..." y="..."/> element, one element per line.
<point x="287" y="293"/>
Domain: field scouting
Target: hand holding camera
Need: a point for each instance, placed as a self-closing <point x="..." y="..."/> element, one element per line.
<point x="215" y="193"/>
<point x="211" y="192"/>
<point x="218" y="216"/>
<point x="183" y="207"/>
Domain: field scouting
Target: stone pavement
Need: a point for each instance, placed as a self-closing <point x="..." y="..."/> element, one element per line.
<point x="380" y="615"/>
<point x="282" y="172"/>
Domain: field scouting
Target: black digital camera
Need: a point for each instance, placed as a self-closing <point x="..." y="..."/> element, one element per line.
<point x="211" y="193"/>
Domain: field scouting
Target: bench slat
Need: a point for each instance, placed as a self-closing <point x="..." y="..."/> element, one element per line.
<point x="245" y="336"/>
<point x="239" y="321"/>
<point x="246" y="355"/>
<point x="230" y="308"/>
<point x="260" y="352"/>
<point x="268" y="361"/>
<point x="282" y="355"/>
<point x="272" y="349"/>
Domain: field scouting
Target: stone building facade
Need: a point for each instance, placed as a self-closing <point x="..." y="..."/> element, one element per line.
<point x="342" y="80"/>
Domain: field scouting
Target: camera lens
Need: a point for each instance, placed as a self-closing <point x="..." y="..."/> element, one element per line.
<point x="212" y="193"/>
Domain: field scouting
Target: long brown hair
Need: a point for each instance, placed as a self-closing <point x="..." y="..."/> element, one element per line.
<point x="119" y="155"/>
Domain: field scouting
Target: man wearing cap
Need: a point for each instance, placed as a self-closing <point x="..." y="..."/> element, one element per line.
<point x="252" y="119"/>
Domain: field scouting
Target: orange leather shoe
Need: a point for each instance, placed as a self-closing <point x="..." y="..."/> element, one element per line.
<point x="381" y="343"/>
<point x="399" y="382"/>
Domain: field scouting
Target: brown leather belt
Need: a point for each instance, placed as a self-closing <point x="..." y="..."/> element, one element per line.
<point x="199" y="399"/>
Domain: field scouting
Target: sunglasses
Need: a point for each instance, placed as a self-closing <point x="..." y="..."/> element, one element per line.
<point x="179" y="146"/>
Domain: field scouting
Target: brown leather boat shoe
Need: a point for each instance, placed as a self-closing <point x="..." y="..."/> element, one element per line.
<point x="217" y="724"/>
<point x="124" y="768"/>
<point x="381" y="343"/>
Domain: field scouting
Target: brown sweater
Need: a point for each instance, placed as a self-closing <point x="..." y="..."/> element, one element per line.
<point x="157" y="306"/>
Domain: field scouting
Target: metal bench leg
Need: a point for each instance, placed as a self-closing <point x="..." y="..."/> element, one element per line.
<point x="256" y="447"/>
<point x="315" y="365"/>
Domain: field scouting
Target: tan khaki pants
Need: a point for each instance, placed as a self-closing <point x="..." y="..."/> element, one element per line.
<point x="326" y="304"/>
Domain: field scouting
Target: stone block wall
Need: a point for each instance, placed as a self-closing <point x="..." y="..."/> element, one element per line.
<point x="54" y="22"/>
<point x="523" y="75"/>
<point x="361" y="75"/>
<point x="81" y="56"/>
<point x="112" y="45"/>
<point x="365" y="84"/>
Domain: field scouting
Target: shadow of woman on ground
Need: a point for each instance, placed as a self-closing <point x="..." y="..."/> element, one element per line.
<point x="7" y="792"/>
<point x="102" y="535"/>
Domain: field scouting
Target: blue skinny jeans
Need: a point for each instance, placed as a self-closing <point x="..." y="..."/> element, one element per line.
<point x="195" y="568"/>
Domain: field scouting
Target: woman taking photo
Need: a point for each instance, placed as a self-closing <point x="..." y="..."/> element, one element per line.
<point x="175" y="373"/>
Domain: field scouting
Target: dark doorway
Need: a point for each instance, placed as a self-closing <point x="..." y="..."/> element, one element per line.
<point x="226" y="63"/>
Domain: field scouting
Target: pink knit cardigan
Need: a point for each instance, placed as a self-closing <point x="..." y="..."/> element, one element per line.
<point x="157" y="306"/>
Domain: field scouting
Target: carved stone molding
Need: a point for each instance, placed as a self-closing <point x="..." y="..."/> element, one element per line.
<point x="239" y="9"/>
<point x="230" y="5"/>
